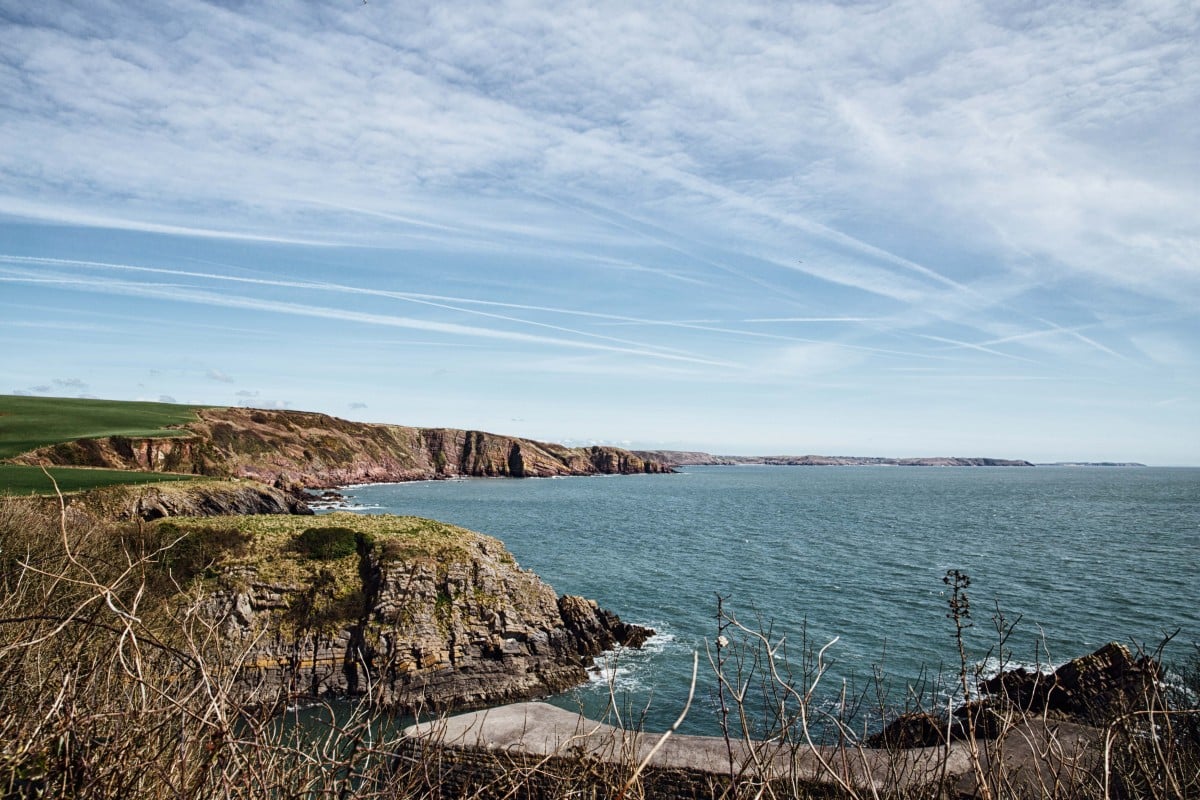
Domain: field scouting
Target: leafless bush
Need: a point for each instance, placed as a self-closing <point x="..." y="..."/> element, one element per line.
<point x="952" y="738"/>
<point x="112" y="687"/>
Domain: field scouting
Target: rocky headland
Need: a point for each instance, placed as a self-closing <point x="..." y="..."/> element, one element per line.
<point x="414" y="614"/>
<point x="293" y="448"/>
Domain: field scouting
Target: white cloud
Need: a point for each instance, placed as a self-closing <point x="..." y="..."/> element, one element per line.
<point x="1003" y="124"/>
<point x="663" y="193"/>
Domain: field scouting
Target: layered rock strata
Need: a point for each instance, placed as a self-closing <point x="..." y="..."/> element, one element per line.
<point x="315" y="451"/>
<point x="422" y="616"/>
<point x="200" y="498"/>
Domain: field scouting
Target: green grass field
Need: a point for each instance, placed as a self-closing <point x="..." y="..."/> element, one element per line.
<point x="17" y="479"/>
<point x="27" y="423"/>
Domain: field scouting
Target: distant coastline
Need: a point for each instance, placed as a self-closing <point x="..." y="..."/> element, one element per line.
<point x="688" y="458"/>
<point x="1092" y="464"/>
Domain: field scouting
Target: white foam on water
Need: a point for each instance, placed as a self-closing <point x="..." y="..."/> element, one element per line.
<point x="625" y="669"/>
<point x="992" y="666"/>
<point x="346" y="506"/>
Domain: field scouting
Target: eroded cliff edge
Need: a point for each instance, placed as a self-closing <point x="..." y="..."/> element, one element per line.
<point x="204" y="497"/>
<point x="415" y="614"/>
<point x="316" y="451"/>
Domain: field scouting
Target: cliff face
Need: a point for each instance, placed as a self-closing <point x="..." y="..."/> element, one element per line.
<point x="420" y="616"/>
<point x="316" y="450"/>
<point x="200" y="498"/>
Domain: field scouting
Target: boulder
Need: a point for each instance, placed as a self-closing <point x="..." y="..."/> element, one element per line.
<point x="1093" y="689"/>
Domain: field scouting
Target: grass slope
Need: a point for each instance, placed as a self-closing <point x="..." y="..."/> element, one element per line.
<point x="20" y="479"/>
<point x="271" y="542"/>
<point x="27" y="423"/>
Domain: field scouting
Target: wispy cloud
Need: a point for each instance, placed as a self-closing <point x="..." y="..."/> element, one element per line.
<point x="436" y="301"/>
<point x="971" y="346"/>
<point x="348" y="93"/>
<point x="784" y="192"/>
<point x="188" y="295"/>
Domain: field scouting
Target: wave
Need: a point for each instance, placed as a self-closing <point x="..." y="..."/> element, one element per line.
<point x="346" y="506"/>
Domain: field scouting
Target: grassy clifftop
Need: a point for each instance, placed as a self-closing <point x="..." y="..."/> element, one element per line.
<point x="27" y="423"/>
<point x="294" y="550"/>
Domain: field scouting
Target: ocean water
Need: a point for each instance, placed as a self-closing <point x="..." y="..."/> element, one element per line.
<point x="1075" y="557"/>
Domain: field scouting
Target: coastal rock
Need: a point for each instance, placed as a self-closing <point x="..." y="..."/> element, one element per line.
<point x="202" y="498"/>
<point x="423" y="617"/>
<point x="595" y="629"/>
<point x="287" y="448"/>
<point x="913" y="729"/>
<point x="1090" y="690"/>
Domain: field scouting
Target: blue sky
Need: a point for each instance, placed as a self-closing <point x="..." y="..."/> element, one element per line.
<point x="880" y="229"/>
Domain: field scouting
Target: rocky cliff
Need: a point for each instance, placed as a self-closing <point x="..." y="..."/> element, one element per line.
<point x="316" y="450"/>
<point x="199" y="498"/>
<point x="413" y="613"/>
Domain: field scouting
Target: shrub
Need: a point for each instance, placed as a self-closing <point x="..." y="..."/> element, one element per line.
<point x="325" y="544"/>
<point x="183" y="553"/>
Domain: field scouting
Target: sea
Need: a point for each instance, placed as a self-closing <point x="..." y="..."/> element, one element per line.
<point x="836" y="576"/>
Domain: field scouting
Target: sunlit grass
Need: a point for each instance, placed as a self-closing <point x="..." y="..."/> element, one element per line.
<point x="276" y="557"/>
<point x="18" y="479"/>
<point x="27" y="423"/>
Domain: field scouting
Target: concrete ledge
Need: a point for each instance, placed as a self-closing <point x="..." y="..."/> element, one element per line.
<point x="537" y="739"/>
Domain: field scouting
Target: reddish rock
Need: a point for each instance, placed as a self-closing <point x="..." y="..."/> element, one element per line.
<point x="288" y="448"/>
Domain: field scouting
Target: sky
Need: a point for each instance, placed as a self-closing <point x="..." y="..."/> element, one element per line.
<point x="891" y="229"/>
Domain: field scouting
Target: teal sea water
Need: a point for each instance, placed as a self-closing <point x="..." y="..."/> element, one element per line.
<point x="1081" y="555"/>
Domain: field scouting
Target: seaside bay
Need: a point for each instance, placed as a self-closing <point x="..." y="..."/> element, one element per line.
<point x="1081" y="556"/>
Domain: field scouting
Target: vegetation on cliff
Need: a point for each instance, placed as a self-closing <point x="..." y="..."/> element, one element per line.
<point x="412" y="612"/>
<point x="22" y="479"/>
